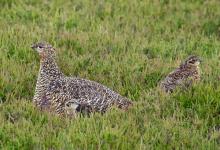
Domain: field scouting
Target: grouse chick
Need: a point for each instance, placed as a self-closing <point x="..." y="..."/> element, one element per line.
<point x="184" y="76"/>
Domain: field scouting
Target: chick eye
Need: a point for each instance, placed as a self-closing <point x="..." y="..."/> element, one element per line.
<point x="192" y="61"/>
<point x="40" y="46"/>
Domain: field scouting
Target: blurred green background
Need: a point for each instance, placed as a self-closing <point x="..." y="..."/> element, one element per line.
<point x="128" y="46"/>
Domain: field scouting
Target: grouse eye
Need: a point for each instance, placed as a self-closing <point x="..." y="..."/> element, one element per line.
<point x="40" y="46"/>
<point x="192" y="61"/>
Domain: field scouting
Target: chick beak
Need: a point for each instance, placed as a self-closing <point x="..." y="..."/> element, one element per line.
<point x="33" y="46"/>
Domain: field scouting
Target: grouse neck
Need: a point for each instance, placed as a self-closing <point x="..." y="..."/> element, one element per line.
<point x="187" y="66"/>
<point x="50" y="68"/>
<point x="48" y="71"/>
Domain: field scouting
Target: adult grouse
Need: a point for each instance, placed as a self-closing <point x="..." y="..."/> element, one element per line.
<point x="68" y="95"/>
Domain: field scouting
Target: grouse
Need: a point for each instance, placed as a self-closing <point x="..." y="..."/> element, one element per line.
<point x="64" y="95"/>
<point x="184" y="76"/>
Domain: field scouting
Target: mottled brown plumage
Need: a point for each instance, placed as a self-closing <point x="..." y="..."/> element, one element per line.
<point x="184" y="76"/>
<point x="67" y="95"/>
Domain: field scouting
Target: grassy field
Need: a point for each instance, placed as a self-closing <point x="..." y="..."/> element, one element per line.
<point x="128" y="46"/>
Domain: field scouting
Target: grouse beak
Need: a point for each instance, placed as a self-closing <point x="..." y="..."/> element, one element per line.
<point x="199" y="61"/>
<point x="33" y="46"/>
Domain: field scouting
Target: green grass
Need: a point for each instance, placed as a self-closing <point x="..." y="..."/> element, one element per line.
<point x="128" y="46"/>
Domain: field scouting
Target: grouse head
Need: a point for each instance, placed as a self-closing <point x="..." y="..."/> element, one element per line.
<point x="44" y="49"/>
<point x="192" y="61"/>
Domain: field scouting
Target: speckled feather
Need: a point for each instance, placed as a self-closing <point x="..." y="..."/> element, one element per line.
<point x="184" y="76"/>
<point x="54" y="91"/>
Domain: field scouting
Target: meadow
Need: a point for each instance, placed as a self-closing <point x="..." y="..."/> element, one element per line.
<point x="126" y="45"/>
